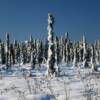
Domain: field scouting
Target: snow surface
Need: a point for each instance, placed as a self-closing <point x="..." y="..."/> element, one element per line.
<point x="74" y="83"/>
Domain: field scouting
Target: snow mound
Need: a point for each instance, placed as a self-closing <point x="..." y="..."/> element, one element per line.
<point x="37" y="97"/>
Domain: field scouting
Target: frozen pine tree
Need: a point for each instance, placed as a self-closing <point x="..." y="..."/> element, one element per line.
<point x="97" y="56"/>
<point x="51" y="53"/>
<point x="23" y="53"/>
<point x="12" y="54"/>
<point x="45" y="51"/>
<point x="0" y="51"/>
<point x="91" y="57"/>
<point x="31" y="39"/>
<point x="7" y="51"/>
<point x="65" y="47"/>
<point x="57" y="53"/>
<point x="33" y="59"/>
<point x="84" y="52"/>
<point x="40" y="52"/>
<point x="84" y="47"/>
<point x="16" y="51"/>
<point x="75" y="55"/>
<point x="2" y="54"/>
<point x="61" y="49"/>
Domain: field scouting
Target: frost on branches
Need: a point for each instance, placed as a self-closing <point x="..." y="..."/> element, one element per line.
<point x="7" y="51"/>
<point x="51" y="54"/>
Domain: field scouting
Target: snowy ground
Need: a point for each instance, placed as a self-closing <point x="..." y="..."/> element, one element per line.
<point x="72" y="84"/>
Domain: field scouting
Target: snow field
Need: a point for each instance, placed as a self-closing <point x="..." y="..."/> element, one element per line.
<point x="73" y="84"/>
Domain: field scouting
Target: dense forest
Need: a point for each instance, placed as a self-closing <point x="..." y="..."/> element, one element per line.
<point x="52" y="51"/>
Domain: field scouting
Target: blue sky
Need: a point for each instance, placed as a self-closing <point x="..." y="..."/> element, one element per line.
<point x="24" y="17"/>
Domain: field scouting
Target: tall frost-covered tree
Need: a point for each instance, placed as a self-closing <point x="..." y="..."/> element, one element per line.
<point x="45" y="51"/>
<point x="85" y="52"/>
<point x="75" y="54"/>
<point x="0" y="51"/>
<point x="97" y="52"/>
<point x="12" y="54"/>
<point x="16" y="51"/>
<point x="57" y="56"/>
<point x="80" y="51"/>
<point x="2" y="54"/>
<point x="33" y="59"/>
<point x="40" y="52"/>
<point x="29" y="47"/>
<point x="7" y="51"/>
<point x="64" y="52"/>
<point x="65" y="45"/>
<point x="51" y="53"/>
<point x="84" y="48"/>
<point x="61" y="49"/>
<point x="23" y="53"/>
<point x="91" y="57"/>
<point x="57" y="51"/>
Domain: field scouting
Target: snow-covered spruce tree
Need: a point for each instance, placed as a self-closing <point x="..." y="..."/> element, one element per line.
<point x="97" y="52"/>
<point x="40" y="52"/>
<point x="35" y="44"/>
<point x="71" y="54"/>
<point x="18" y="53"/>
<point x="97" y="56"/>
<point x="88" y="54"/>
<point x="2" y="53"/>
<point x="31" y="39"/>
<point x="77" y="51"/>
<point x="64" y="53"/>
<point x="33" y="59"/>
<point x="84" y="47"/>
<point x="80" y="51"/>
<point x="91" y="57"/>
<point x="93" y="52"/>
<point x="16" y="46"/>
<point x="68" y="51"/>
<point x="57" y="55"/>
<point x="65" y="47"/>
<point x="51" y="53"/>
<point x="61" y="49"/>
<point x="7" y="51"/>
<point x="29" y="47"/>
<point x="12" y="54"/>
<point x="23" y="53"/>
<point x="45" y="51"/>
<point x="74" y="60"/>
<point x="57" y="51"/>
<point x="85" y="63"/>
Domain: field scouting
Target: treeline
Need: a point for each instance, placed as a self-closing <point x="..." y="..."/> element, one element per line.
<point x="30" y="51"/>
<point x="36" y="51"/>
